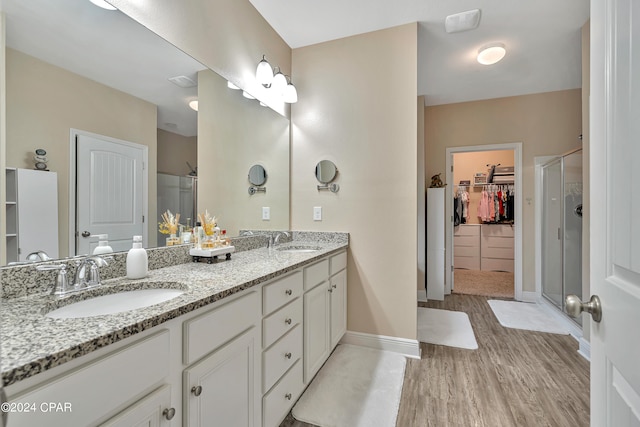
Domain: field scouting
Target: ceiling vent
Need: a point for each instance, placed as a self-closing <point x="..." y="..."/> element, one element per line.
<point x="462" y="21"/>
<point x="182" y="81"/>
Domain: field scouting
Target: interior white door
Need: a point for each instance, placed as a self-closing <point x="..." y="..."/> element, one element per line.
<point x="109" y="192"/>
<point x="615" y="209"/>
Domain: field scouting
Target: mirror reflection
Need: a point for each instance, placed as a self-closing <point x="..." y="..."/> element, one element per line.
<point x="326" y="171"/>
<point x="71" y="66"/>
<point x="257" y="175"/>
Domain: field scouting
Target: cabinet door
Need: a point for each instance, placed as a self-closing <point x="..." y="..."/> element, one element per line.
<point x="338" y="307"/>
<point x="153" y="410"/>
<point x="316" y="329"/>
<point x="223" y="389"/>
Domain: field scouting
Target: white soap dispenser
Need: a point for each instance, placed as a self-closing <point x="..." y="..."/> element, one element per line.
<point x="137" y="261"/>
<point x="103" y="245"/>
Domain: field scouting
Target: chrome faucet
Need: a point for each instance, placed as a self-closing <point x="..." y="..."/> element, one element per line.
<point x="278" y="235"/>
<point x="38" y="256"/>
<point x="88" y="273"/>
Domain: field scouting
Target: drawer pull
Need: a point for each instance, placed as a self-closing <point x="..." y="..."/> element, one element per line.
<point x="288" y="396"/>
<point x="287" y="321"/>
<point x="196" y="390"/>
<point x="169" y="413"/>
<point x="287" y="355"/>
<point x="288" y="292"/>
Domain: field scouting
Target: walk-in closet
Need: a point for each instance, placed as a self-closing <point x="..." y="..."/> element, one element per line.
<point x="484" y="215"/>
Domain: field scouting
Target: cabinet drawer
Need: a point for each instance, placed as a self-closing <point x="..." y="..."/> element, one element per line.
<point x="315" y="274"/>
<point x="466" y="251"/>
<point x="493" y="264"/>
<point x="500" y="253"/>
<point x="468" y="241"/>
<point x="210" y="330"/>
<point x="282" y="291"/>
<point x="113" y="381"/>
<point x="338" y="262"/>
<point x="498" y="230"/>
<point x="497" y="242"/>
<point x="281" y="357"/>
<point x="467" y="230"/>
<point x="469" y="263"/>
<point x="280" y="322"/>
<point x="278" y="402"/>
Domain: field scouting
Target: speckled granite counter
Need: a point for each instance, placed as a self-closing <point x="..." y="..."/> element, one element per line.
<point x="33" y="343"/>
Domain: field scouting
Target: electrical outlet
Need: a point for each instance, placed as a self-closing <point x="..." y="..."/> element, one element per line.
<point x="266" y="213"/>
<point x="317" y="213"/>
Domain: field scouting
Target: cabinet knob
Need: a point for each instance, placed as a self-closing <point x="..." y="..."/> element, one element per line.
<point x="287" y="355"/>
<point x="287" y="396"/>
<point x="169" y="413"/>
<point x="334" y="286"/>
<point x="196" y="390"/>
<point x="287" y="321"/>
<point x="330" y="290"/>
<point x="288" y="292"/>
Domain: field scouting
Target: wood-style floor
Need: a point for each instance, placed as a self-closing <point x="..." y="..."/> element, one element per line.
<point x="515" y="378"/>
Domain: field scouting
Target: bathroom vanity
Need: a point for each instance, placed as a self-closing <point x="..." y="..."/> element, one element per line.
<point x="237" y="347"/>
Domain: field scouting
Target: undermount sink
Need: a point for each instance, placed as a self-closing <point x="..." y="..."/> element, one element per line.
<point x="115" y="303"/>
<point x="298" y="248"/>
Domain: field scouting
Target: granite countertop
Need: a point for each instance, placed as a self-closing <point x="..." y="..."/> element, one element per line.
<point x="33" y="343"/>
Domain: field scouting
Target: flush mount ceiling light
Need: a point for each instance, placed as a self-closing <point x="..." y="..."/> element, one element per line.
<point x="463" y="21"/>
<point x="491" y="53"/>
<point x="194" y="105"/>
<point x="103" y="4"/>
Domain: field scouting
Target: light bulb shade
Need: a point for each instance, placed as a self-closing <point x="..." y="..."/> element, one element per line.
<point x="103" y="4"/>
<point x="490" y="54"/>
<point x="194" y="104"/>
<point x="247" y="95"/>
<point x="290" y="94"/>
<point x="264" y="73"/>
<point x="279" y="83"/>
<point x="230" y="85"/>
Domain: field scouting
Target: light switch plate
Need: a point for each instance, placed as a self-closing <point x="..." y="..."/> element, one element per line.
<point x="266" y="213"/>
<point x="317" y="213"/>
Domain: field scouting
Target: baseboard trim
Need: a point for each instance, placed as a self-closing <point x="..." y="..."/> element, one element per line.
<point x="585" y="349"/>
<point x="527" y="296"/>
<point x="406" y="347"/>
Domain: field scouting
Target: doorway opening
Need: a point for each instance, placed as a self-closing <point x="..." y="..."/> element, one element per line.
<point x="484" y="226"/>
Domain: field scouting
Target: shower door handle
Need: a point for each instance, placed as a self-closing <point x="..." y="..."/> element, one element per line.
<point x="573" y="306"/>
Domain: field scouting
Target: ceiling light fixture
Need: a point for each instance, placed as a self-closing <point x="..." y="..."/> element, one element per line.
<point x="491" y="53"/>
<point x="194" y="104"/>
<point x="103" y="4"/>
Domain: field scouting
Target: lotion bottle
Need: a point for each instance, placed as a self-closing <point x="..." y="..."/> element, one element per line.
<point x="137" y="261"/>
<point x="103" y="245"/>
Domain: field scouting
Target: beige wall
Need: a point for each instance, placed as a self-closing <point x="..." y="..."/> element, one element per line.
<point x="174" y="151"/>
<point x="234" y="134"/>
<point x="228" y="36"/>
<point x="546" y="124"/>
<point x="44" y="102"/>
<point x="465" y="166"/>
<point x="357" y="108"/>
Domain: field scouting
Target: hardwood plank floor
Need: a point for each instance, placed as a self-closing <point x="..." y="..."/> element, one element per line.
<point x="516" y="378"/>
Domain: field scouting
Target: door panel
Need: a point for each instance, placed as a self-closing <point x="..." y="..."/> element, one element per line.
<point x="615" y="209"/>
<point x="109" y="192"/>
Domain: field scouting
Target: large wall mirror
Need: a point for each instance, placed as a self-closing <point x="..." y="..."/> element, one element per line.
<point x="73" y="66"/>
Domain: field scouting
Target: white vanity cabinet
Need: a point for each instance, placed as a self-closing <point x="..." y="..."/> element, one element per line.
<point x="223" y="383"/>
<point x="325" y="304"/>
<point x="153" y="410"/>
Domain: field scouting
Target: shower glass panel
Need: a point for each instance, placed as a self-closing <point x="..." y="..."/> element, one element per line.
<point x="177" y="194"/>
<point x="552" y="219"/>
<point x="562" y="229"/>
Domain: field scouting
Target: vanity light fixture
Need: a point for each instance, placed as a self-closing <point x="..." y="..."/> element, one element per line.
<point x="247" y="95"/>
<point x="279" y="83"/>
<point x="264" y="73"/>
<point x="103" y="4"/>
<point x="491" y="53"/>
<point x="290" y="95"/>
<point x="230" y="85"/>
<point x="194" y="104"/>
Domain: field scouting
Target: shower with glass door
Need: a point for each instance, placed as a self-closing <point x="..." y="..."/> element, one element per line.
<point x="562" y="229"/>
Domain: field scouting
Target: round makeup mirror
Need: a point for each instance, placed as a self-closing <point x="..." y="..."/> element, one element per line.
<point x="326" y="171"/>
<point x="257" y="175"/>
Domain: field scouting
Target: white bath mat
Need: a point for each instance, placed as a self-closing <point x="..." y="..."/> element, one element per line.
<point x="525" y="315"/>
<point x="444" y="327"/>
<point x="357" y="386"/>
<point x="422" y="295"/>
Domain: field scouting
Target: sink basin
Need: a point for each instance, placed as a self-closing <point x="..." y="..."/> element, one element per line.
<point x="114" y="303"/>
<point x="298" y="248"/>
